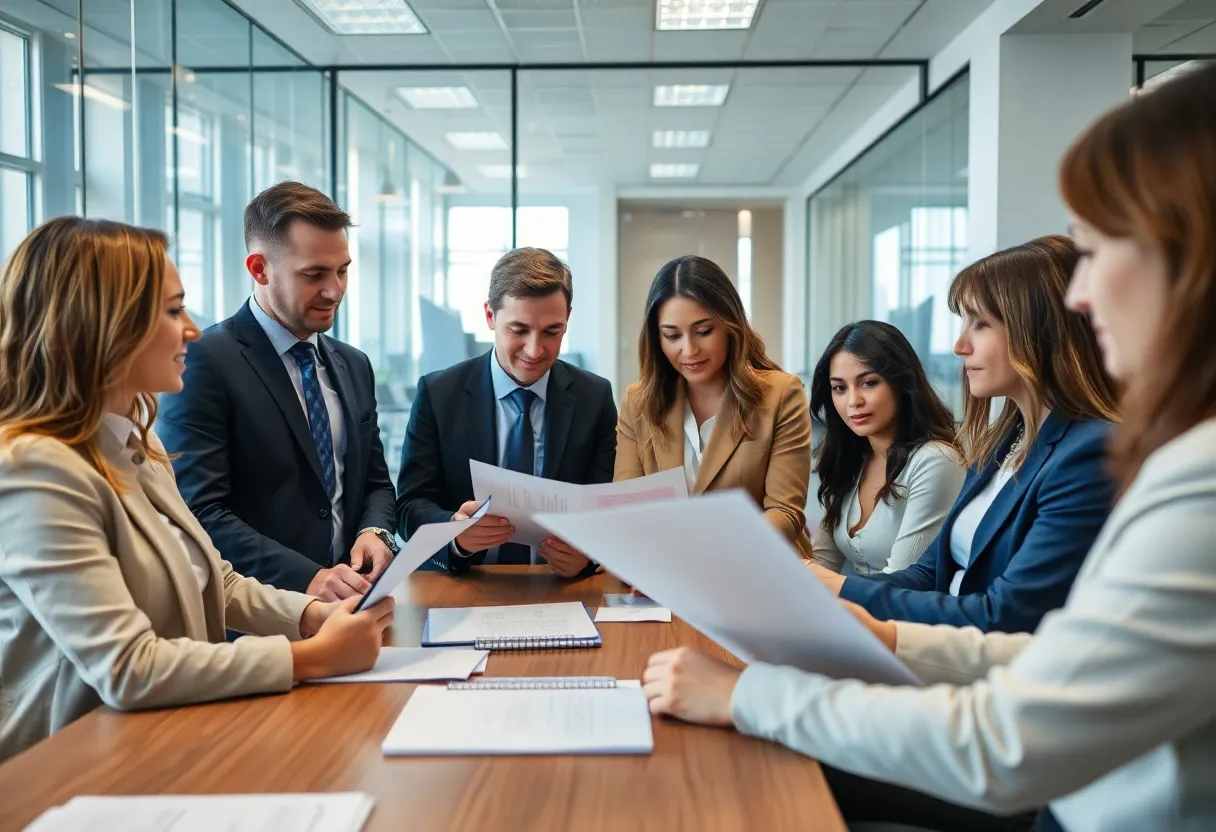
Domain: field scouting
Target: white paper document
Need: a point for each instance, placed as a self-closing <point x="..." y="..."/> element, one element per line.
<point x="518" y="497"/>
<point x="340" y="812"/>
<point x="418" y="664"/>
<point x="465" y="625"/>
<point x="650" y="613"/>
<point x="720" y="565"/>
<point x="426" y="541"/>
<point x="440" y="721"/>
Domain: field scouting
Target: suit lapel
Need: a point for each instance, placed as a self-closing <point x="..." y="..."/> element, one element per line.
<point x="481" y="414"/>
<point x="669" y="450"/>
<point x="260" y="354"/>
<point x="722" y="444"/>
<point x="559" y="415"/>
<point x="352" y="472"/>
<point x="1010" y="496"/>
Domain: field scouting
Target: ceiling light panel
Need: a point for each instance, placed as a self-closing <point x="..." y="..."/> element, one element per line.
<point x="438" y="98"/>
<point x="690" y="95"/>
<point x="501" y="171"/>
<point x="680" y="138"/>
<point x="365" y="17"/>
<point x="476" y="141"/>
<point x="684" y="170"/>
<point x="699" y="15"/>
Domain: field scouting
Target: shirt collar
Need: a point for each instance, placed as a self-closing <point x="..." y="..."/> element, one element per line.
<point x="504" y="385"/>
<point x="123" y="429"/>
<point x="280" y="337"/>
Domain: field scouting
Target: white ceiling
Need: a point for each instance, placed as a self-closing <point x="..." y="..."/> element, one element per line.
<point x="1189" y="28"/>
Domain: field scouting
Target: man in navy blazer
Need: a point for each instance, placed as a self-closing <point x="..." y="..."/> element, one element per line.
<point x="1027" y="549"/>
<point x="517" y="407"/>
<point x="276" y="428"/>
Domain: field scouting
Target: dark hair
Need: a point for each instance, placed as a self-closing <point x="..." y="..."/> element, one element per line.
<point x="1146" y="171"/>
<point x="529" y="273"/>
<point x="1052" y="349"/>
<point x="702" y="281"/>
<point x="269" y="215"/>
<point x="921" y="415"/>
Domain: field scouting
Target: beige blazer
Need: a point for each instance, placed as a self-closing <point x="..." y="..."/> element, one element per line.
<point x="99" y="604"/>
<point x="774" y="466"/>
<point x="1107" y="712"/>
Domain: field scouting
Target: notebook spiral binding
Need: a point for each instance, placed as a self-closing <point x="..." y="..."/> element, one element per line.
<point x="536" y="642"/>
<point x="537" y="683"/>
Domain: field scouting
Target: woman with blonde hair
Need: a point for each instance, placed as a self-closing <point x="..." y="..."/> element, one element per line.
<point x="711" y="401"/>
<point x="110" y="591"/>
<point x="1035" y="494"/>
<point x="1106" y="712"/>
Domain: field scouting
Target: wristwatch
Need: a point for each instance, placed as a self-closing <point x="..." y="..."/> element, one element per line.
<point x="385" y="535"/>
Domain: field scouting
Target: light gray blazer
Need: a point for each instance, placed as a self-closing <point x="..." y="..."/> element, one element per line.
<point x="98" y="602"/>
<point x="1108" y="711"/>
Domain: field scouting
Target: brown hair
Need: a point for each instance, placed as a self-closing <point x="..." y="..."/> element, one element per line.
<point x="78" y="300"/>
<point x="529" y="273"/>
<point x="1146" y="171"/>
<point x="1052" y="349"/>
<point x="703" y="281"/>
<point x="268" y="217"/>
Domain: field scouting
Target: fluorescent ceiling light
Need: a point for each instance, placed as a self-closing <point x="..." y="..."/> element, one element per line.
<point x="189" y="135"/>
<point x="704" y="14"/>
<point x="365" y="17"/>
<point x="501" y="171"/>
<point x="690" y="95"/>
<point x="683" y="170"/>
<point x="476" y="141"/>
<point x="438" y="98"/>
<point x="94" y="94"/>
<point x="681" y="138"/>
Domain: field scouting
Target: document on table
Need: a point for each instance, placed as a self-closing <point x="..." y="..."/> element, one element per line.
<point x="518" y="497"/>
<point x="439" y="721"/>
<point x="426" y="540"/>
<point x="339" y="812"/>
<point x="417" y="664"/>
<point x="646" y="613"/>
<point x="721" y="566"/>
<point x="465" y="625"/>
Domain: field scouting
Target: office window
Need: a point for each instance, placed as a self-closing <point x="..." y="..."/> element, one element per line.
<point x="17" y="165"/>
<point x="478" y="236"/>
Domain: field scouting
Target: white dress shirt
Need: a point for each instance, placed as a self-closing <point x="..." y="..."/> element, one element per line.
<point x="504" y="417"/>
<point x="962" y="533"/>
<point x="695" y="440"/>
<point x="898" y="532"/>
<point x="123" y="429"/>
<point x="282" y="340"/>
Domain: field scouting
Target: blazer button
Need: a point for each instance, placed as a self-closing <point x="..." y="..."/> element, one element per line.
<point x="323" y="512"/>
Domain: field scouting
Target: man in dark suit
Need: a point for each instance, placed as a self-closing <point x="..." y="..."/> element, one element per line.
<point x="276" y="428"/>
<point x="517" y="407"/>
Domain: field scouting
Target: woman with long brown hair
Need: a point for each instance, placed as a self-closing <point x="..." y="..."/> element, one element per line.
<point x="110" y="590"/>
<point x="711" y="401"/>
<point x="1107" y="711"/>
<point x="1036" y="494"/>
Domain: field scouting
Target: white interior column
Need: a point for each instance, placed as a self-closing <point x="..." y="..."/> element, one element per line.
<point x="1031" y="95"/>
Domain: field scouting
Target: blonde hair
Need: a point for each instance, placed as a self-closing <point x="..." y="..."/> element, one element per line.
<point x="78" y="300"/>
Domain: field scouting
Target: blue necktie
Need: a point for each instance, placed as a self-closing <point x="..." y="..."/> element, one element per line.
<point x="520" y="455"/>
<point x="305" y="355"/>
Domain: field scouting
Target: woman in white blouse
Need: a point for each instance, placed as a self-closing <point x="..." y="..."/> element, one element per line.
<point x="888" y="468"/>
<point x="1107" y="711"/>
<point x="110" y="590"/>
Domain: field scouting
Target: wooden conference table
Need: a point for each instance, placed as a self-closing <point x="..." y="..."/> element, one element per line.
<point x="327" y="738"/>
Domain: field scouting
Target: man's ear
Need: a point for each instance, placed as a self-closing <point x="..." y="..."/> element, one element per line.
<point x="489" y="315"/>
<point x="256" y="265"/>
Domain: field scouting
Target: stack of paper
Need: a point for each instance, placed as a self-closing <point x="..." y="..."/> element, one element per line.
<point x="467" y="625"/>
<point x="418" y="664"/>
<point x="438" y="721"/>
<point x="342" y="812"/>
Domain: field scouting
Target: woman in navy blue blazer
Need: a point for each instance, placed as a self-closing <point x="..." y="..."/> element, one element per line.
<point x="1036" y="492"/>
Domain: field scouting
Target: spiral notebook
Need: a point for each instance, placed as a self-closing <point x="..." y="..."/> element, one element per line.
<point x="558" y="715"/>
<point x="559" y="626"/>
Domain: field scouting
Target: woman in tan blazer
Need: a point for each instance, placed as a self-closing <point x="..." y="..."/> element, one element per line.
<point x="712" y="402"/>
<point x="110" y="591"/>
